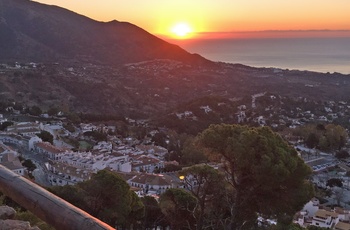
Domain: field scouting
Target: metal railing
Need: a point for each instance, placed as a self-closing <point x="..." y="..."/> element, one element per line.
<point x="45" y="205"/>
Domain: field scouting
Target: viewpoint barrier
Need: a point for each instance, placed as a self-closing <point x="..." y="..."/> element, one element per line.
<point x="45" y="205"/>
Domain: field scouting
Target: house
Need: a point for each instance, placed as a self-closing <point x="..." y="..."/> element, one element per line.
<point x="206" y="109"/>
<point x="24" y="128"/>
<point x="343" y="214"/>
<point x="4" y="149"/>
<point x="32" y="140"/>
<point x="87" y="127"/>
<point x="325" y="219"/>
<point x="62" y="174"/>
<point x="11" y="138"/>
<point x="304" y="217"/>
<point x="115" y="161"/>
<point x="81" y="160"/>
<point x="315" y="202"/>
<point x="48" y="150"/>
<point x="241" y="116"/>
<point x="153" y="149"/>
<point x="104" y="145"/>
<point x="146" y="164"/>
<point x="53" y="129"/>
<point x="138" y="191"/>
<point x="322" y="118"/>
<point x="11" y="161"/>
<point x="29" y="141"/>
<point x="153" y="183"/>
<point x="96" y="161"/>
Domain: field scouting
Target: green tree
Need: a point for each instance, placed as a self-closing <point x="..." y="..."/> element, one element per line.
<point x="312" y="140"/>
<point x="74" y="118"/>
<point x="96" y="135"/>
<point x="5" y="124"/>
<point x="177" y="141"/>
<point x="169" y="168"/>
<point x="136" y="213"/>
<point x="53" y="111"/>
<point x="191" y="155"/>
<point x="160" y="139"/>
<point x="266" y="174"/>
<point x="334" y="182"/>
<point x="122" y="128"/>
<point x="106" y="196"/>
<point x="73" y="194"/>
<point x="328" y="137"/>
<point x="35" y="111"/>
<point x="204" y="183"/>
<point x="336" y="136"/>
<point x="29" y="165"/>
<point x="46" y="136"/>
<point x="18" y="106"/>
<point x="153" y="215"/>
<point x="69" y="126"/>
<point x="178" y="207"/>
<point x="323" y="143"/>
<point x="342" y="154"/>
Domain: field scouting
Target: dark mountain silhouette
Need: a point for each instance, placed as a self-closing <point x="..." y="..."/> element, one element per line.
<point x="78" y="67"/>
<point x="31" y="31"/>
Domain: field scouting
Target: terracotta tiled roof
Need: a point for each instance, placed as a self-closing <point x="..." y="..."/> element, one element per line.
<point x="126" y="176"/>
<point x="152" y="179"/>
<point x="48" y="147"/>
<point x="342" y="226"/>
<point x="145" y="161"/>
<point x="72" y="171"/>
<point x="13" y="165"/>
<point x="324" y="214"/>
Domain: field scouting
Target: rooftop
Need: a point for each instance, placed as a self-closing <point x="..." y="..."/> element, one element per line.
<point x="342" y="226"/>
<point x="321" y="213"/>
<point x="48" y="147"/>
<point x="152" y="179"/>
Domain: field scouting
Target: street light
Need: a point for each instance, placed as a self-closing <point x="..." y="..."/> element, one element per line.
<point x="182" y="180"/>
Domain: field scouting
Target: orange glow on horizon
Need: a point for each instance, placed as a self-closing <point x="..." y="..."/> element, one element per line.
<point x="210" y="19"/>
<point x="256" y="35"/>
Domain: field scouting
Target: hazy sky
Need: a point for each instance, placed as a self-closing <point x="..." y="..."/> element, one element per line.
<point x="160" y="16"/>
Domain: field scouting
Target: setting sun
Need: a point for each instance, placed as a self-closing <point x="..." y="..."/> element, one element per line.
<point x="181" y="30"/>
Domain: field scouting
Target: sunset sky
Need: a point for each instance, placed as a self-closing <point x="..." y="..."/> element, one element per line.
<point x="216" y="18"/>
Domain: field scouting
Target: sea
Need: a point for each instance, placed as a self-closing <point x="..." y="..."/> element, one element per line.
<point x="313" y="54"/>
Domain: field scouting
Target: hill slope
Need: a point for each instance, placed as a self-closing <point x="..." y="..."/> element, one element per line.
<point x="31" y="31"/>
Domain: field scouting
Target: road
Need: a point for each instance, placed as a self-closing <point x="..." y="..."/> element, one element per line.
<point x="40" y="173"/>
<point x="41" y="176"/>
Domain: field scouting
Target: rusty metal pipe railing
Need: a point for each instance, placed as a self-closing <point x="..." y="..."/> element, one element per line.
<point x="45" y="205"/>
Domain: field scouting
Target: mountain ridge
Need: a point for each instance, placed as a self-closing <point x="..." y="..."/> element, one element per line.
<point x="31" y="31"/>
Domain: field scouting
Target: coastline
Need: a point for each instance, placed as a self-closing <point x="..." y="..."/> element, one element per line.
<point x="325" y="54"/>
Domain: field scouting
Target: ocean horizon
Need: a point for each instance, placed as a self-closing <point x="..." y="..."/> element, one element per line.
<point x="313" y="54"/>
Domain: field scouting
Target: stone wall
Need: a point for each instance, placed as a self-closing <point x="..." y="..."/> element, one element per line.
<point x="7" y="222"/>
